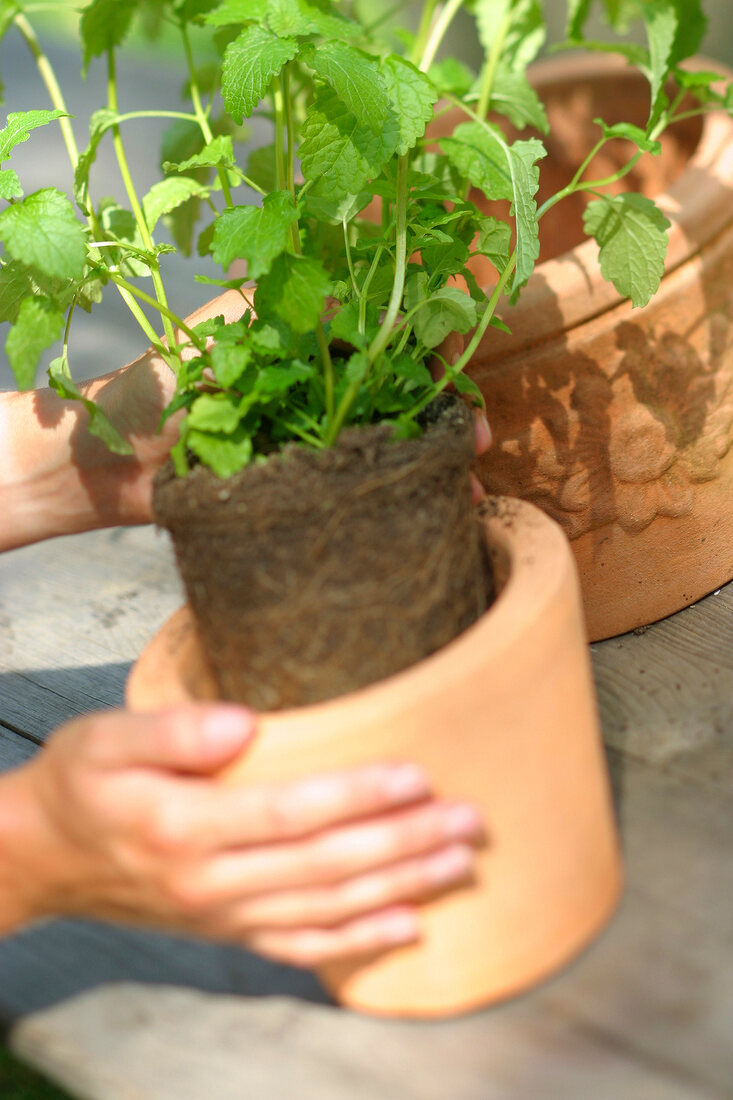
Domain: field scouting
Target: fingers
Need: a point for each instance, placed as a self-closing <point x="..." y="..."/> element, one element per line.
<point x="335" y="855"/>
<point x="410" y="881"/>
<point x="193" y="739"/>
<point x="482" y="432"/>
<point x="310" y="947"/>
<point x="230" y="817"/>
<point x="231" y="305"/>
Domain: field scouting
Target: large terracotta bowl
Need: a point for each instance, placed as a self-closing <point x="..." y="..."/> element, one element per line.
<point x="505" y="717"/>
<point x="618" y="422"/>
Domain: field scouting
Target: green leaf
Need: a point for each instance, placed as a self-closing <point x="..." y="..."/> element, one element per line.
<point x="525" y="182"/>
<point x="631" y="233"/>
<point x="577" y="16"/>
<point x="494" y="241"/>
<point x="219" y="153"/>
<point x="413" y="98"/>
<point x="38" y="325"/>
<point x="229" y="362"/>
<point x="299" y="18"/>
<point x="165" y="196"/>
<point x="513" y="96"/>
<point x="295" y="291"/>
<point x="336" y="211"/>
<point x="438" y="312"/>
<point x="466" y="385"/>
<point x="255" y="234"/>
<point x="182" y="139"/>
<point x="525" y="36"/>
<point x="215" y="412"/>
<point x="238" y="11"/>
<point x="104" y="25"/>
<point x="42" y="232"/>
<point x="261" y="167"/>
<point x="452" y="77"/>
<point x="628" y="132"/>
<point x="224" y="454"/>
<point x="345" y="325"/>
<point x="120" y="225"/>
<point x="100" y="122"/>
<point x="250" y="64"/>
<point x="675" y="30"/>
<point x="10" y="187"/>
<point x="337" y="153"/>
<point x="98" y="424"/>
<point x="15" y="285"/>
<point x="18" y="127"/>
<point x="355" y="77"/>
<point x="479" y="153"/>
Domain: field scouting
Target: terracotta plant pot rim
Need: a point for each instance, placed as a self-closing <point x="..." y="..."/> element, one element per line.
<point x="699" y="204"/>
<point x="523" y="591"/>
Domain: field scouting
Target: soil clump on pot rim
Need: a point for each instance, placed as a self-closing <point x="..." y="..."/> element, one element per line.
<point x="319" y="572"/>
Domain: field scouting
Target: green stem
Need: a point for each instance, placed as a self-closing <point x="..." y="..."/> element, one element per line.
<point x="280" y="170"/>
<point x="200" y="114"/>
<point x="350" y="262"/>
<point x="438" y="33"/>
<point x="133" y="199"/>
<point x="487" y="314"/>
<point x="185" y="115"/>
<point x="488" y="75"/>
<point x="52" y="86"/>
<point x="383" y="337"/>
<point x="423" y="31"/>
<point x="166" y="313"/>
<point x="290" y="131"/>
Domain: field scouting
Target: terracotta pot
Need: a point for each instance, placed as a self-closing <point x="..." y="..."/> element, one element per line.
<point x="503" y="716"/>
<point x="618" y="422"/>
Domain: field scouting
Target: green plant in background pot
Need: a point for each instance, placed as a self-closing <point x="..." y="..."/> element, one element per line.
<point x="319" y="476"/>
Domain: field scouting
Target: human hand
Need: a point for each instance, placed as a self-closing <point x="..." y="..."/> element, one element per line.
<point x="122" y="818"/>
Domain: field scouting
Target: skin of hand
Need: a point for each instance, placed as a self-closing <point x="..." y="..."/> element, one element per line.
<point x="122" y="818"/>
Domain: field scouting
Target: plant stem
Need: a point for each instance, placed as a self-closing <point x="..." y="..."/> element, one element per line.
<point x="280" y="170"/>
<point x="134" y="201"/>
<point x="201" y="116"/>
<point x="488" y="75"/>
<point x="442" y="23"/>
<point x="423" y="31"/>
<point x="290" y="131"/>
<point x="487" y="314"/>
<point x="52" y="86"/>
<point x="384" y="335"/>
<point x="166" y="313"/>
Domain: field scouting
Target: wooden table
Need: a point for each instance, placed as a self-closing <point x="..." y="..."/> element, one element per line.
<point x="646" y="1014"/>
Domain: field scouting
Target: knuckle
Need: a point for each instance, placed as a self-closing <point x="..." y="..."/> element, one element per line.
<point x="165" y="830"/>
<point x="284" y="815"/>
<point x="187" y="893"/>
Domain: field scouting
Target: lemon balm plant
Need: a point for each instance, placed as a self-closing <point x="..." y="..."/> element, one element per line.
<point x="358" y="227"/>
<point x="349" y="310"/>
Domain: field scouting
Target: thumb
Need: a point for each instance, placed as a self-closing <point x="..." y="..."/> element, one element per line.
<point x="195" y="739"/>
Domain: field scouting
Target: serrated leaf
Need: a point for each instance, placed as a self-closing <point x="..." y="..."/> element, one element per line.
<point x="525" y="173"/>
<point x="219" y="153"/>
<point x="238" y="11"/>
<point x="478" y="152"/>
<point x="255" y="234"/>
<point x="104" y="25"/>
<point x="628" y="132"/>
<point x="223" y="454"/>
<point x="494" y="241"/>
<point x="229" y="362"/>
<point x="18" y="127"/>
<point x="438" y="312"/>
<point x="512" y="95"/>
<point x="413" y="98"/>
<point x="675" y="30"/>
<point x="355" y="77"/>
<point x="251" y="63"/>
<point x="215" y="412"/>
<point x="337" y="153"/>
<point x="526" y="33"/>
<point x="165" y="196"/>
<point x="42" y="232"/>
<point x="300" y="18"/>
<point x="631" y="233"/>
<point x="451" y="77"/>
<point x="336" y="211"/>
<point x="15" y="285"/>
<point x="466" y="385"/>
<point x="98" y="423"/>
<point x="100" y="122"/>
<point x="39" y="324"/>
<point x="295" y="291"/>
<point x="10" y="186"/>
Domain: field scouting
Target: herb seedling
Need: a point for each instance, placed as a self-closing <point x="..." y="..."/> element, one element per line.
<point x="349" y="310"/>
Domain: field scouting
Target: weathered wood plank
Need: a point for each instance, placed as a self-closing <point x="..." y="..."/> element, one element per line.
<point x="166" y="1044"/>
<point x="14" y="750"/>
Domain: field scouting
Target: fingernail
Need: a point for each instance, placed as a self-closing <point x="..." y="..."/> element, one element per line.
<point x="404" y="783"/>
<point x="461" y="821"/>
<point x="451" y="865"/>
<point x="400" y="928"/>
<point x="227" y="727"/>
<point x="483" y="433"/>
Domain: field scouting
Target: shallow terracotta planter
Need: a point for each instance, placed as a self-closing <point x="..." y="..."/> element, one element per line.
<point x="503" y="716"/>
<point x="618" y="422"/>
